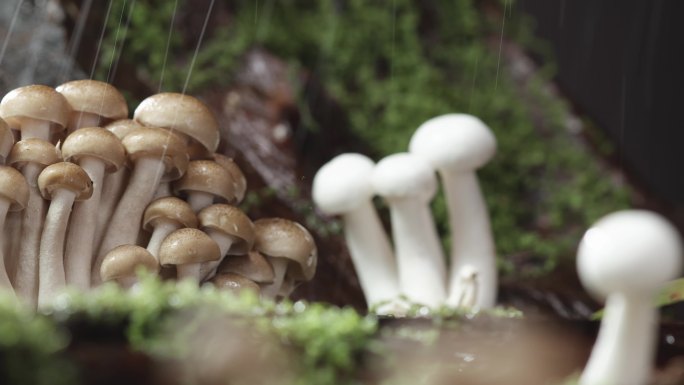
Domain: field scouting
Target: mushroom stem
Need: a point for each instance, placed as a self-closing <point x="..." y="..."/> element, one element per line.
<point x="471" y="238"/>
<point x="161" y="231"/>
<point x="224" y="242"/>
<point x="189" y="271"/>
<point x="199" y="200"/>
<point x="80" y="119"/>
<point x="419" y="256"/>
<point x="127" y="282"/>
<point x="125" y="223"/>
<point x="624" y="348"/>
<point x="163" y="191"/>
<point x="5" y="283"/>
<point x="26" y="278"/>
<point x="35" y="128"/>
<point x="52" y="278"/>
<point x="112" y="189"/>
<point x="279" y="269"/>
<point x="80" y="239"/>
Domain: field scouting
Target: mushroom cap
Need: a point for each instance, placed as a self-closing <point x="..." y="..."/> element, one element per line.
<point x="95" y="97"/>
<point x="95" y="142"/>
<point x="182" y="113"/>
<point x="229" y="220"/>
<point x="33" y="150"/>
<point x="122" y="261"/>
<point x="234" y="282"/>
<point x="404" y="175"/>
<point x="343" y="183"/>
<point x="169" y="209"/>
<point x="458" y="142"/>
<point x="252" y="265"/>
<point x="35" y="102"/>
<point x="13" y="187"/>
<point x="281" y="238"/>
<point x="630" y="251"/>
<point x="239" y="180"/>
<point x="6" y="140"/>
<point x="188" y="246"/>
<point x="122" y="127"/>
<point x="161" y="144"/>
<point x="209" y="177"/>
<point x="65" y="175"/>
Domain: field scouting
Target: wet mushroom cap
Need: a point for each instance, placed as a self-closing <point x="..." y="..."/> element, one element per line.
<point x="252" y="265"/>
<point x="122" y="127"/>
<point x="239" y="180"/>
<point x="182" y="113"/>
<point x="207" y="176"/>
<point x="281" y="238"/>
<point x="234" y="282"/>
<point x="14" y="188"/>
<point x="161" y="144"/>
<point x="123" y="261"/>
<point x="33" y="150"/>
<point x="169" y="209"/>
<point x="95" y="142"/>
<point x="65" y="175"/>
<point x="35" y="102"/>
<point x="95" y="97"/>
<point x="232" y="221"/>
<point x="186" y="246"/>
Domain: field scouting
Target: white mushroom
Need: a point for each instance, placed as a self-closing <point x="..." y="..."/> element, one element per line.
<point x="456" y="145"/>
<point x="343" y="187"/>
<point x="408" y="184"/>
<point x="626" y="257"/>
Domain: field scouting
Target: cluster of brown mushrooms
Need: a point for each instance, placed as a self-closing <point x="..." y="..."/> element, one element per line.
<point x="89" y="196"/>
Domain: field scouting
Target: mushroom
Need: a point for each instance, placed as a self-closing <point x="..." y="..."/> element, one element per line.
<point x="92" y="102"/>
<point x="158" y="155"/>
<point x="408" y="184"/>
<point x="13" y="220"/>
<point x="187" y="249"/>
<point x="97" y="151"/>
<point x="289" y="247"/>
<point x="6" y="141"/>
<point x="122" y="262"/>
<point x="238" y="178"/>
<point x="31" y="156"/>
<point x="626" y="257"/>
<point x="456" y="145"/>
<point x="230" y="228"/>
<point x="343" y="187"/>
<point x="62" y="183"/>
<point x="36" y="110"/>
<point x="164" y="216"/>
<point x="204" y="182"/>
<point x="235" y="283"/>
<point x="253" y="266"/>
<point x="14" y="193"/>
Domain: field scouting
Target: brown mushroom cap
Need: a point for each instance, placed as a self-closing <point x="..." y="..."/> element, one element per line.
<point x="35" y="102"/>
<point x="122" y="127"/>
<point x="232" y="221"/>
<point x="182" y="113"/>
<point x="235" y="283"/>
<point x="95" y="142"/>
<point x="14" y="188"/>
<point x="33" y="150"/>
<point x="239" y="180"/>
<point x="252" y="265"/>
<point x="209" y="177"/>
<point x="95" y="97"/>
<point x="65" y="175"/>
<point x="6" y="140"/>
<point x="158" y="143"/>
<point x="122" y="261"/>
<point x="281" y="238"/>
<point x="169" y="209"/>
<point x="188" y="246"/>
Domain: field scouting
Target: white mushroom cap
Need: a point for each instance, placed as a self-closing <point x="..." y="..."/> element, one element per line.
<point x="404" y="175"/>
<point x="455" y="141"/>
<point x="343" y="183"/>
<point x="629" y="251"/>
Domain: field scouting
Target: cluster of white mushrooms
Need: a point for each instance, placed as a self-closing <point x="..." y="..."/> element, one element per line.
<point x="89" y="195"/>
<point x="453" y="146"/>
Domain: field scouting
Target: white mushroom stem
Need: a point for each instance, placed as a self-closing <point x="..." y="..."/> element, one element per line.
<point x="80" y="239"/>
<point x="34" y="128"/>
<point x="52" y="278"/>
<point x="198" y="200"/>
<point x="471" y="238"/>
<point x="279" y="270"/>
<point x="224" y="242"/>
<point x="80" y="119"/>
<point x="5" y="283"/>
<point x="127" y="282"/>
<point x="125" y="223"/>
<point x="188" y="271"/>
<point x="624" y="349"/>
<point x="419" y="255"/>
<point x="112" y="189"/>
<point x="161" y="231"/>
<point x="26" y="278"/>
<point x="163" y="191"/>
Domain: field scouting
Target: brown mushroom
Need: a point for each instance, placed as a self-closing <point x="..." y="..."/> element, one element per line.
<point x="205" y="182"/>
<point x="97" y="151"/>
<point x="289" y="247"/>
<point x="92" y="102"/>
<point x="252" y="265"/>
<point x="164" y="216"/>
<point x="14" y="193"/>
<point x="235" y="283"/>
<point x="187" y="249"/>
<point x="122" y="262"/>
<point x="239" y="180"/>
<point x="36" y="110"/>
<point x="62" y="183"/>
